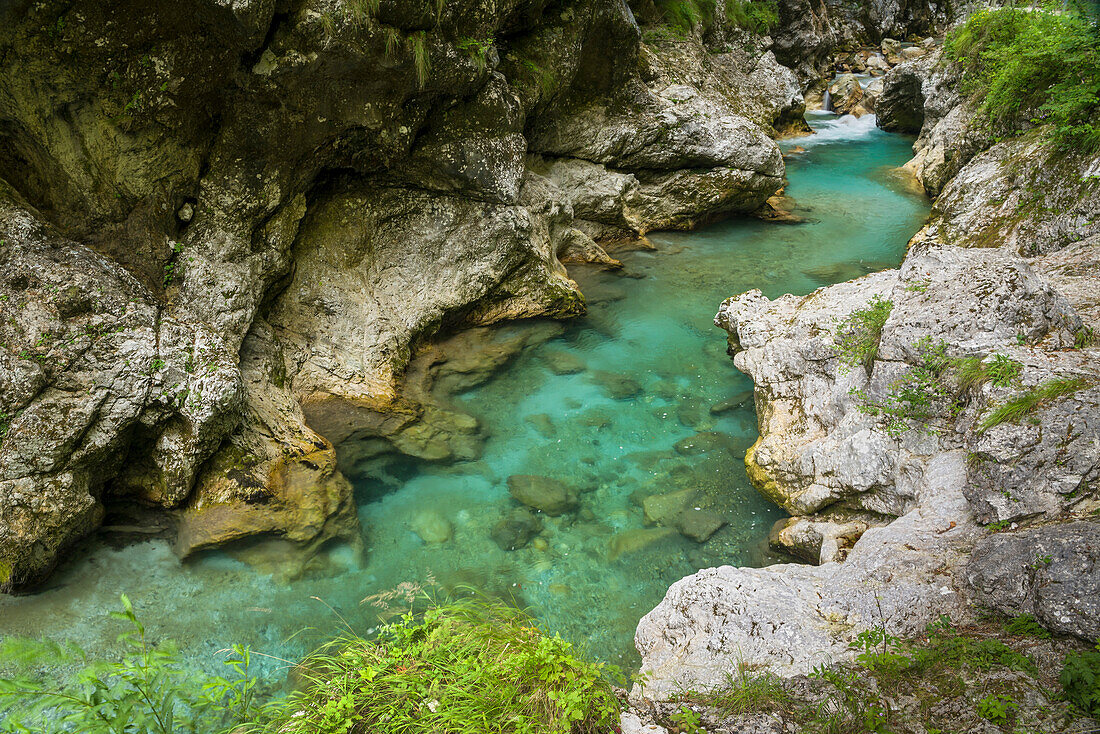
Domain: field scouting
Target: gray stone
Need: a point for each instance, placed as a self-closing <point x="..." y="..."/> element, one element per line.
<point x="1051" y="572"/>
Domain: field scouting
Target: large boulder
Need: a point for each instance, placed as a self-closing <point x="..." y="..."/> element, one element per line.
<point x="101" y="393"/>
<point x="900" y="108"/>
<point x="1051" y="572"/>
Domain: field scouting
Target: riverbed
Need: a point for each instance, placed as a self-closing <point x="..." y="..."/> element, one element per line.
<point x="638" y="399"/>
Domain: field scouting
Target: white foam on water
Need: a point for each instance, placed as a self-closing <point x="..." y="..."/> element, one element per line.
<point x="829" y="128"/>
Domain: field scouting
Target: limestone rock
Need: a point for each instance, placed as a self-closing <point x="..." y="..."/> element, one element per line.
<point x="542" y="493"/>
<point x="665" y="509"/>
<point x="88" y="361"/>
<point x="900" y="108"/>
<point x="845" y="93"/>
<point x="1050" y="572"/>
<point x="632" y="541"/>
<point x="699" y="524"/>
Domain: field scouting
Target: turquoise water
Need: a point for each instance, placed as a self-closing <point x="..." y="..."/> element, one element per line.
<point x="637" y="399"/>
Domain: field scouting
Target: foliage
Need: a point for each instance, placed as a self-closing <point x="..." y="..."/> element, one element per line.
<point x="684" y="16"/>
<point x="998" y="709"/>
<point x="464" y="667"/>
<point x="1025" y="624"/>
<point x="758" y="16"/>
<point x="1042" y="64"/>
<point x="1027" y="402"/>
<point x="687" y="721"/>
<point x="1080" y="680"/>
<point x="858" y="336"/>
<point x="477" y="50"/>
<point x="852" y="708"/>
<point x="744" y="692"/>
<point x="999" y="370"/>
<point x="919" y="395"/>
<point x="418" y="44"/>
<point x="148" y="691"/>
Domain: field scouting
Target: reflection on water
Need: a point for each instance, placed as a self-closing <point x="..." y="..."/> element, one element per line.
<point x="634" y="410"/>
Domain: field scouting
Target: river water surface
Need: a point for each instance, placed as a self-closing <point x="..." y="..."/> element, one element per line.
<point x="636" y="399"/>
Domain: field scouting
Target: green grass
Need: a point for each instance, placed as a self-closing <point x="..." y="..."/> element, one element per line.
<point x="684" y="16"/>
<point x="744" y="692"/>
<point x="1033" y="65"/>
<point x="464" y="667"/>
<point x="1028" y="402"/>
<point x="858" y="335"/>
<point x="970" y="373"/>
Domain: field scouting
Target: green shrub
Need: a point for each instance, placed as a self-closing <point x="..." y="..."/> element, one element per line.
<point x="858" y="336"/>
<point x="1026" y="624"/>
<point x="683" y="16"/>
<point x="1027" y="402"/>
<point x="1041" y="64"/>
<point x="920" y="395"/>
<point x="148" y="691"/>
<point x="467" y="667"/>
<point x="758" y="16"/>
<point x="1080" y="680"/>
<point x="998" y="709"/>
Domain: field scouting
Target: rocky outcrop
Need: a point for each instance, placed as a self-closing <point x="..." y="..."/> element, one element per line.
<point x="1051" y="573"/>
<point x="265" y="212"/>
<point x="901" y="411"/>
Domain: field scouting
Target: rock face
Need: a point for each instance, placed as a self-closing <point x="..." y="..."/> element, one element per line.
<point x="1052" y="573"/>
<point x="228" y="230"/>
<point x="976" y="403"/>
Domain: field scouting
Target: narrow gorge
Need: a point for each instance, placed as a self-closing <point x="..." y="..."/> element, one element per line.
<point x="324" y="315"/>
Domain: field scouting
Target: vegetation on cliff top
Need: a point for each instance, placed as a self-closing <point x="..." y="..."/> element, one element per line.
<point x="757" y="16"/>
<point x="1042" y="65"/>
<point x="471" y="666"/>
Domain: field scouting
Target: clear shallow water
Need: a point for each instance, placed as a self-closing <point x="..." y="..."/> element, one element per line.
<point x="632" y="416"/>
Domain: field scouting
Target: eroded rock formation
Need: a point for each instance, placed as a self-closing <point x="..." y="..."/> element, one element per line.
<point x="892" y="462"/>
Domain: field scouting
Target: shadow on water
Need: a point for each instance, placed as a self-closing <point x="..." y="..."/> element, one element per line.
<point x="636" y="400"/>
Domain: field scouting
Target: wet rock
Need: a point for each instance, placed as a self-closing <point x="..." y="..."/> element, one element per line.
<point x="617" y="386"/>
<point x="1051" y="572"/>
<point x="517" y="528"/>
<point x="699" y="524"/>
<point x="900" y="106"/>
<point x="432" y="526"/>
<point x="845" y="93"/>
<point x="692" y="415"/>
<point x="704" y="443"/>
<point x="665" y="509"/>
<point x="743" y="399"/>
<point x="542" y="493"/>
<point x="562" y="362"/>
<point x="632" y="541"/>
<point x="543" y="424"/>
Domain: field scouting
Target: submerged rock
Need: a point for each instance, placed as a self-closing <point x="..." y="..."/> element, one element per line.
<point x="617" y="386"/>
<point x="542" y="493"/>
<point x="432" y="526"/>
<point x="632" y="541"/>
<point x="665" y="509"/>
<point x="699" y="524"/>
<point x="562" y="362"/>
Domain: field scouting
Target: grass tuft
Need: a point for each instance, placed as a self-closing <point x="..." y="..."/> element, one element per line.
<point x="465" y="667"/>
<point x="1026" y="403"/>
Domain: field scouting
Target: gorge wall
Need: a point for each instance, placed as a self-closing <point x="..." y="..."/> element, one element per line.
<point x="932" y="430"/>
<point x="227" y="228"/>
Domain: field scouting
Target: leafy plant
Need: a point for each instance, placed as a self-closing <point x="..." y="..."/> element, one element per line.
<point x="919" y="395"/>
<point x="1027" y="402"/>
<point x="478" y="50"/>
<point x="1026" y="624"/>
<point x="687" y="721"/>
<point x="858" y="336"/>
<point x="463" y="667"/>
<point x="851" y="706"/>
<point x="1035" y="63"/>
<point x="148" y="691"/>
<point x="998" y="709"/>
<point x="1080" y="679"/>
<point x="758" y="16"/>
